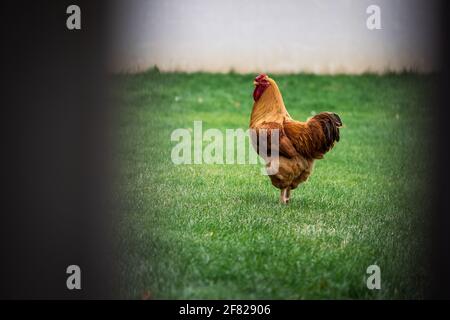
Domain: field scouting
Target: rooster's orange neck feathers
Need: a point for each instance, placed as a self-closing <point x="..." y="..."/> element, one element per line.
<point x="269" y="107"/>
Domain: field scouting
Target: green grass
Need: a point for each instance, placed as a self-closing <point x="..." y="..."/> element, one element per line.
<point x="218" y="231"/>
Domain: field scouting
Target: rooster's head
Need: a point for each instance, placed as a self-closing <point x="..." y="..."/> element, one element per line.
<point x="261" y="83"/>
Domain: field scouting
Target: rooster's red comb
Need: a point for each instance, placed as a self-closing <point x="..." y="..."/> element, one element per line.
<point x="260" y="77"/>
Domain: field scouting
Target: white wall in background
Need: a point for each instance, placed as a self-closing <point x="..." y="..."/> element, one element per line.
<point x="322" y="36"/>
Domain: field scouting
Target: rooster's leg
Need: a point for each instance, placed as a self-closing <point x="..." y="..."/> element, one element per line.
<point x="288" y="193"/>
<point x="284" y="196"/>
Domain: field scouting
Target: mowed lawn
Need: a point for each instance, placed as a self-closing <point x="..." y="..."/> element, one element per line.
<point x="219" y="231"/>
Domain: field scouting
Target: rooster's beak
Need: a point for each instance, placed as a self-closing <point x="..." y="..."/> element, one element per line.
<point x="255" y="83"/>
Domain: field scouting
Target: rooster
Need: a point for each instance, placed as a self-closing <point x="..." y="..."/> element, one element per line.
<point x="300" y="143"/>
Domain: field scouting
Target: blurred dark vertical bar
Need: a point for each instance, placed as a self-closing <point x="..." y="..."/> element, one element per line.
<point x="54" y="151"/>
<point x="440" y="233"/>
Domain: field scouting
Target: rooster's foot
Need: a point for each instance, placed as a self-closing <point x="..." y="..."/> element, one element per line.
<point x="284" y="197"/>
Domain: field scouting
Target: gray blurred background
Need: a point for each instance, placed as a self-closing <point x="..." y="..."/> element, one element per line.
<point x="286" y="36"/>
